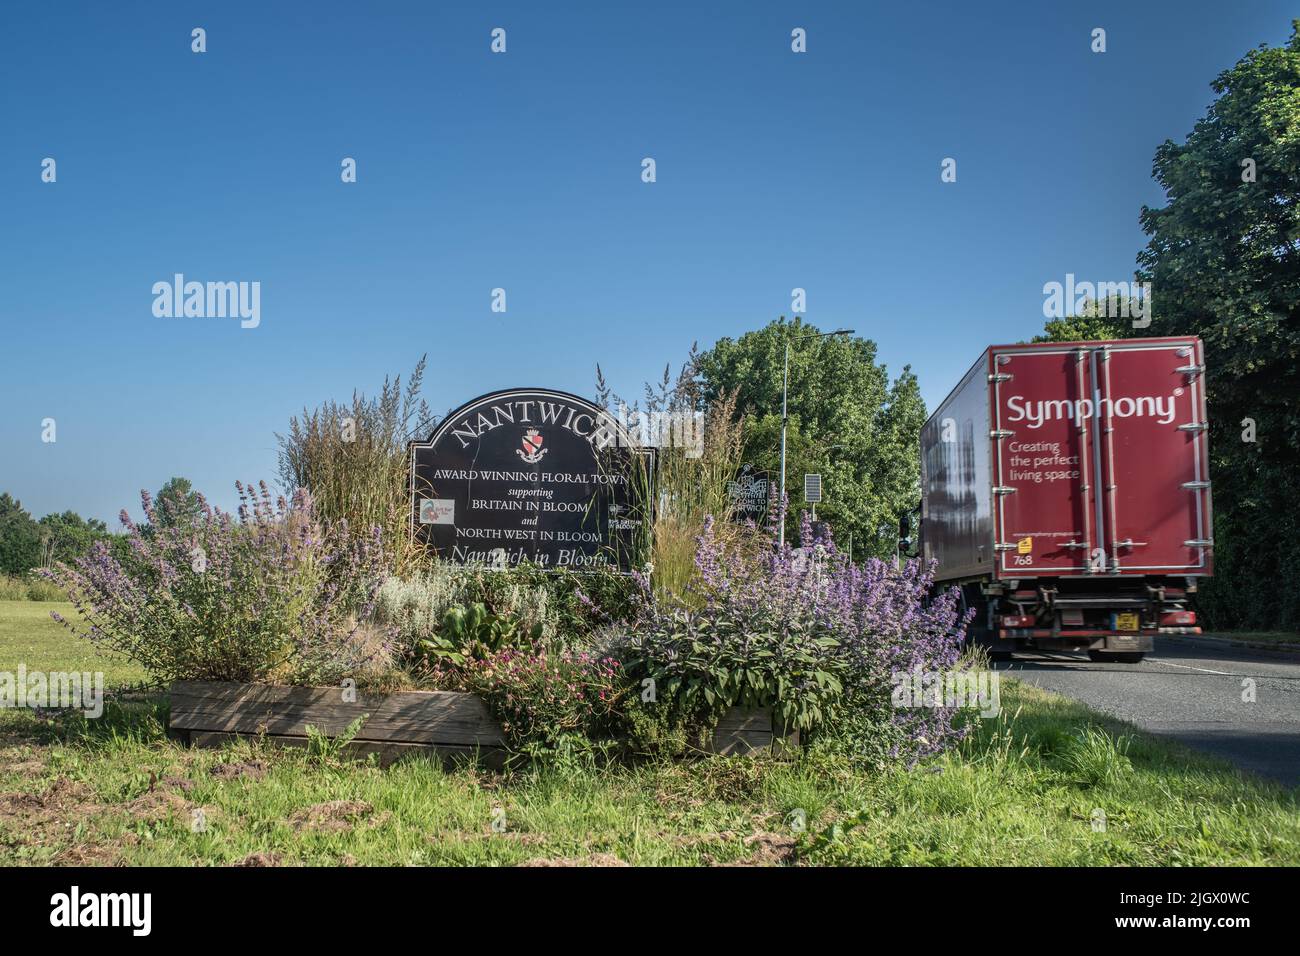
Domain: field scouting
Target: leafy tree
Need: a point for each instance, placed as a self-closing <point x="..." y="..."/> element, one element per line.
<point x="848" y="421"/>
<point x="26" y="543"/>
<point x="68" y="536"/>
<point x="1092" y="324"/>
<point x="20" y="537"/>
<point x="1224" y="263"/>
<point x="177" y="503"/>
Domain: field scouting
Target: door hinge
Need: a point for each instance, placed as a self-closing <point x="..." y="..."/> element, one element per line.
<point x="1196" y="485"/>
<point x="1003" y="490"/>
<point x="1193" y="427"/>
<point x="1199" y="543"/>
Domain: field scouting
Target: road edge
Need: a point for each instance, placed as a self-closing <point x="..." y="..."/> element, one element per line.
<point x="1283" y="651"/>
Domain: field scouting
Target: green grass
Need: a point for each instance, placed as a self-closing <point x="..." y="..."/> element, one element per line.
<point x="28" y="635"/>
<point x="1022" y="790"/>
<point x="1261" y="637"/>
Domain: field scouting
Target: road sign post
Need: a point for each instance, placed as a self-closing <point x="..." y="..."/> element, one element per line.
<point x="812" y="491"/>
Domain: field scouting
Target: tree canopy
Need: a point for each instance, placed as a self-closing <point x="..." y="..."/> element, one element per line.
<point x="20" y="537"/>
<point x="848" y="421"/>
<point x="68" y="535"/>
<point x="26" y="543"/>
<point x="1092" y="324"/>
<point x="1224" y="263"/>
<point x="177" y="503"/>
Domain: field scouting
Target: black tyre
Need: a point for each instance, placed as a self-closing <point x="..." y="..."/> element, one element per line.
<point x="977" y="632"/>
<point x="1118" y="657"/>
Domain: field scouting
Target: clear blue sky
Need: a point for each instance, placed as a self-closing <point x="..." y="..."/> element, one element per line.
<point x="522" y="171"/>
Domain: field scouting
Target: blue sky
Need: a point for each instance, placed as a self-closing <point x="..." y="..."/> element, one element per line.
<point x="523" y="171"/>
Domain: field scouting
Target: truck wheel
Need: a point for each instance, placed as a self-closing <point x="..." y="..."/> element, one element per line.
<point x="977" y="632"/>
<point x="1117" y="657"/>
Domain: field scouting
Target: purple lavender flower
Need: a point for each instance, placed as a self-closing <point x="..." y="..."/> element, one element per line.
<point x="274" y="594"/>
<point x="812" y="635"/>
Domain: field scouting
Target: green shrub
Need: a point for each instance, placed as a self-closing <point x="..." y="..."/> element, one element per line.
<point x="546" y="697"/>
<point x="474" y="633"/>
<point x="414" y="607"/>
<point x="660" y="731"/>
<point x="39" y="589"/>
<point x="553" y="606"/>
<point x="18" y="588"/>
<point x="12" y="588"/>
<point x="273" y="595"/>
<point x="811" y="635"/>
<point x="569" y="604"/>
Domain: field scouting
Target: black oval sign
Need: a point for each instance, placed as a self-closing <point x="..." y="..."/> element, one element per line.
<point x="530" y="474"/>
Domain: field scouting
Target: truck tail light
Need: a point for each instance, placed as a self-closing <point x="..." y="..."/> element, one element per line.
<point x="1177" y="618"/>
<point x="1017" y="620"/>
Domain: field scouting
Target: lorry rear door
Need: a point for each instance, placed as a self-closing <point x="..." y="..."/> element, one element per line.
<point x="1150" y="404"/>
<point x="1101" y="464"/>
<point x="1044" y="502"/>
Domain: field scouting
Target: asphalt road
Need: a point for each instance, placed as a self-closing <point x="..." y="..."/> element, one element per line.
<point x="1192" y="694"/>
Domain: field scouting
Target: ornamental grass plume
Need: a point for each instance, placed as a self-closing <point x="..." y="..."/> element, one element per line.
<point x="270" y="593"/>
<point x="353" y="458"/>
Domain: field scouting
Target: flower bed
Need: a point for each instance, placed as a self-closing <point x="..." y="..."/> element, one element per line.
<point x="449" y="724"/>
<point x="262" y="618"/>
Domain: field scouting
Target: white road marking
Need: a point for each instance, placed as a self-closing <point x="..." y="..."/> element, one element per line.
<point x="1203" y="670"/>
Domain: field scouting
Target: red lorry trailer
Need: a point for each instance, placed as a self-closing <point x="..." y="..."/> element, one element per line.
<point x="1065" y="488"/>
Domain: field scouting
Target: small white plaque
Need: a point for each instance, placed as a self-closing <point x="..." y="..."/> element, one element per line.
<point x="438" y="511"/>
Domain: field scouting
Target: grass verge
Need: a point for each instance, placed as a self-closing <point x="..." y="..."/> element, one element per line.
<point x="1047" y="783"/>
<point x="28" y="635"/>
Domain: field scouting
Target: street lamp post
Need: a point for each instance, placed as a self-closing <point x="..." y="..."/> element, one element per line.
<point x="785" y="403"/>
